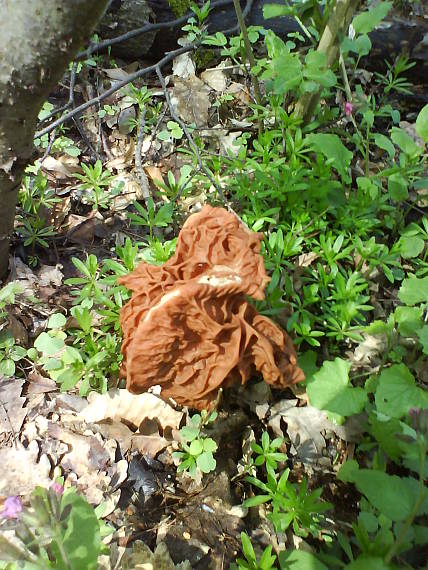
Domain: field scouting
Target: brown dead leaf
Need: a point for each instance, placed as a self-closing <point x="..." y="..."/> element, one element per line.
<point x="190" y="96"/>
<point x="82" y="230"/>
<point x="12" y="411"/>
<point x="306" y="259"/>
<point x="124" y="160"/>
<point x="154" y="173"/>
<point x="21" y="470"/>
<point x="215" y="78"/>
<point x="39" y="384"/>
<point x="63" y="166"/>
<point x="50" y="275"/>
<point x="240" y="92"/>
<point x="304" y="427"/>
<point x="122" y="406"/>
<point x="183" y="66"/>
<point x="85" y="454"/>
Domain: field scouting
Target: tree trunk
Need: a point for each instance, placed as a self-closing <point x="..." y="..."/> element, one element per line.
<point x="37" y="40"/>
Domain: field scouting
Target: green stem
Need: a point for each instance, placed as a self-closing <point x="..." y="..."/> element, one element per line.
<point x="338" y="21"/>
<point x="250" y="56"/>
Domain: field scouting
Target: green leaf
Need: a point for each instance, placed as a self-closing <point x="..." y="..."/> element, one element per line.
<point x="206" y="462"/>
<point x="275" y="11"/>
<point x="360" y="45"/>
<point x="209" y="445"/>
<point x="48" y="345"/>
<point x="7" y="367"/>
<point x="299" y="560"/>
<point x="307" y="362"/>
<point x="329" y="390"/>
<point x="397" y="187"/>
<point x="411" y="246"/>
<point x="287" y="70"/>
<point x="334" y="150"/>
<point x="367" y="21"/>
<point x="396" y="392"/>
<point x="423" y="338"/>
<point x="188" y="433"/>
<point x="385" y="429"/>
<point x="393" y="496"/>
<point x="247" y="547"/>
<point x="256" y="500"/>
<point x="404" y="142"/>
<point x="422" y="123"/>
<point x="56" y="321"/>
<point x="196" y="447"/>
<point x="408" y="319"/>
<point x="315" y="69"/>
<point x="368" y="563"/>
<point x="414" y="290"/>
<point x="384" y="143"/>
<point x="82" y="539"/>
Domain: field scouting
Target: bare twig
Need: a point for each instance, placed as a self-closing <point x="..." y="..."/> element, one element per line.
<point x="250" y="56"/>
<point x="148" y="27"/>
<point x="70" y="101"/>
<point x="96" y="100"/>
<point x="142" y="176"/>
<point x="49" y="147"/>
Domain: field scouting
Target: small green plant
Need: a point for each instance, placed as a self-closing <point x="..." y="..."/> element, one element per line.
<point x="108" y="110"/>
<point x="7" y="296"/>
<point x="97" y="184"/>
<point x="150" y="217"/>
<point x="291" y="504"/>
<point x="65" y="364"/>
<point x="267" y="453"/>
<point x="10" y="353"/>
<point x="172" y="132"/>
<point x="266" y="562"/>
<point x="175" y="188"/>
<point x="197" y="448"/>
<point x="59" y="529"/>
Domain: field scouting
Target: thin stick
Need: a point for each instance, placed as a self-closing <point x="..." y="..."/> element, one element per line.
<point x="96" y="100"/>
<point x="250" y="56"/>
<point x="142" y="176"/>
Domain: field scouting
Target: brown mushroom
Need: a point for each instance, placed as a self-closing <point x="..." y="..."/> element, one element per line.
<point x="189" y="327"/>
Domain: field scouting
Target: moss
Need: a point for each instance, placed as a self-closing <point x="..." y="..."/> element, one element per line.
<point x="179" y="7"/>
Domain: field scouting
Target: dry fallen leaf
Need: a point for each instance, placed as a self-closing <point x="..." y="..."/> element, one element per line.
<point x="183" y="66"/>
<point x="21" y="470"/>
<point x="50" y="275"/>
<point x="121" y="405"/>
<point x="215" y="78"/>
<point x="85" y="452"/>
<point x="190" y="96"/>
<point x="63" y="166"/>
<point x="12" y="411"/>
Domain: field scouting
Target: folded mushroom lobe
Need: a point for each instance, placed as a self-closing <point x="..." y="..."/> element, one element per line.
<point x="189" y="326"/>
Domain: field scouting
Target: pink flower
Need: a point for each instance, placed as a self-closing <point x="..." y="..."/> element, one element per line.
<point x="349" y="107"/>
<point x="11" y="508"/>
<point x="58" y="488"/>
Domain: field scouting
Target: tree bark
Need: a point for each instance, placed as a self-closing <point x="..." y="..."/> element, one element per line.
<point x="37" y="40"/>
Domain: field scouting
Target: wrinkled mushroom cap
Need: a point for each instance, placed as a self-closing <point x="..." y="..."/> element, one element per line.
<point x="189" y="327"/>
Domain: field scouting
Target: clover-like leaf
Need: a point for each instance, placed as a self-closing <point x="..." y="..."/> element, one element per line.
<point x="48" y="345"/>
<point x="206" y="462"/>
